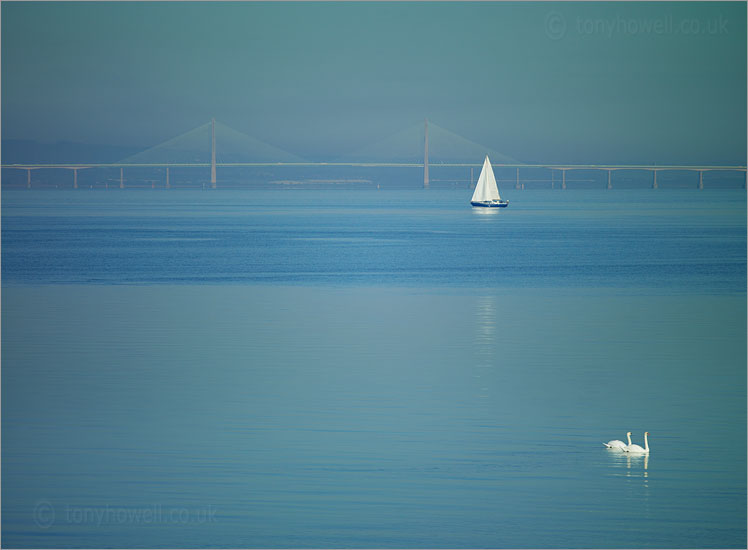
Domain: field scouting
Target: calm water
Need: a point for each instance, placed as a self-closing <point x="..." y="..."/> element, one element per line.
<point x="357" y="368"/>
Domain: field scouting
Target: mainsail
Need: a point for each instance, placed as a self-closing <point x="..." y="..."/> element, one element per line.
<point x="486" y="189"/>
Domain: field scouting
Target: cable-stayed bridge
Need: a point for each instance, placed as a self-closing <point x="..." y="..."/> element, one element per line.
<point x="198" y="145"/>
<point x="419" y="146"/>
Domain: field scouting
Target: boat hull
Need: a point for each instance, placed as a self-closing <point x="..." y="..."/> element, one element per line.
<point x="490" y="204"/>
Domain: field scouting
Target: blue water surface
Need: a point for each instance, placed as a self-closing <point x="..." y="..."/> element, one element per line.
<point x="361" y="368"/>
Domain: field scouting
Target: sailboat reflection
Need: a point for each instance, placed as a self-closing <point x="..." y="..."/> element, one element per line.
<point x="486" y="211"/>
<point x="485" y="319"/>
<point x="484" y="341"/>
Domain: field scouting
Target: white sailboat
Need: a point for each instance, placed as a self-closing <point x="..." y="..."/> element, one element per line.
<point x="486" y="192"/>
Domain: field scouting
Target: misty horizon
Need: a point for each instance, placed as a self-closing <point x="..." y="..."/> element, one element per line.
<point x="540" y="82"/>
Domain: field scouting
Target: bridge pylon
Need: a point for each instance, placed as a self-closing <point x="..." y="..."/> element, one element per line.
<point x="426" y="154"/>
<point x="213" y="154"/>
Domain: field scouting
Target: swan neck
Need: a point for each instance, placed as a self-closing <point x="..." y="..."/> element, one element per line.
<point x="628" y="436"/>
<point x="646" y="443"/>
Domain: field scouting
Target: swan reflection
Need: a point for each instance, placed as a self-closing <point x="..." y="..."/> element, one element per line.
<point x="636" y="468"/>
<point x="633" y="463"/>
<point x="637" y="461"/>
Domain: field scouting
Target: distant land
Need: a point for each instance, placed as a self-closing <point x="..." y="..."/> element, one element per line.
<point x="352" y="177"/>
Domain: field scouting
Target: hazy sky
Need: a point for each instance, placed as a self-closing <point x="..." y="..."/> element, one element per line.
<point x="546" y="82"/>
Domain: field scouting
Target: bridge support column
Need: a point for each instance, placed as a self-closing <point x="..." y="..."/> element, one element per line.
<point x="701" y="179"/>
<point x="517" y="185"/>
<point x="610" y="185"/>
<point x="121" y="178"/>
<point x="654" y="180"/>
<point x="28" y="178"/>
<point x="75" y="178"/>
<point x="168" y="186"/>
<point x="563" y="178"/>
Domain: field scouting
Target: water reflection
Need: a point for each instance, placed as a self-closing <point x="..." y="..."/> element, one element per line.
<point x="636" y="475"/>
<point x="636" y="467"/>
<point x="484" y="340"/>
<point x="485" y="320"/>
<point x="632" y="462"/>
<point x="638" y="462"/>
<point x="486" y="211"/>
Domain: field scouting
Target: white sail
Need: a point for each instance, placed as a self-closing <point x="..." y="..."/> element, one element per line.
<point x="486" y="189"/>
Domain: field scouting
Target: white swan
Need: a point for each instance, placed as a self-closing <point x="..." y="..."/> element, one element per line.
<point x="617" y="443"/>
<point x="636" y="448"/>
